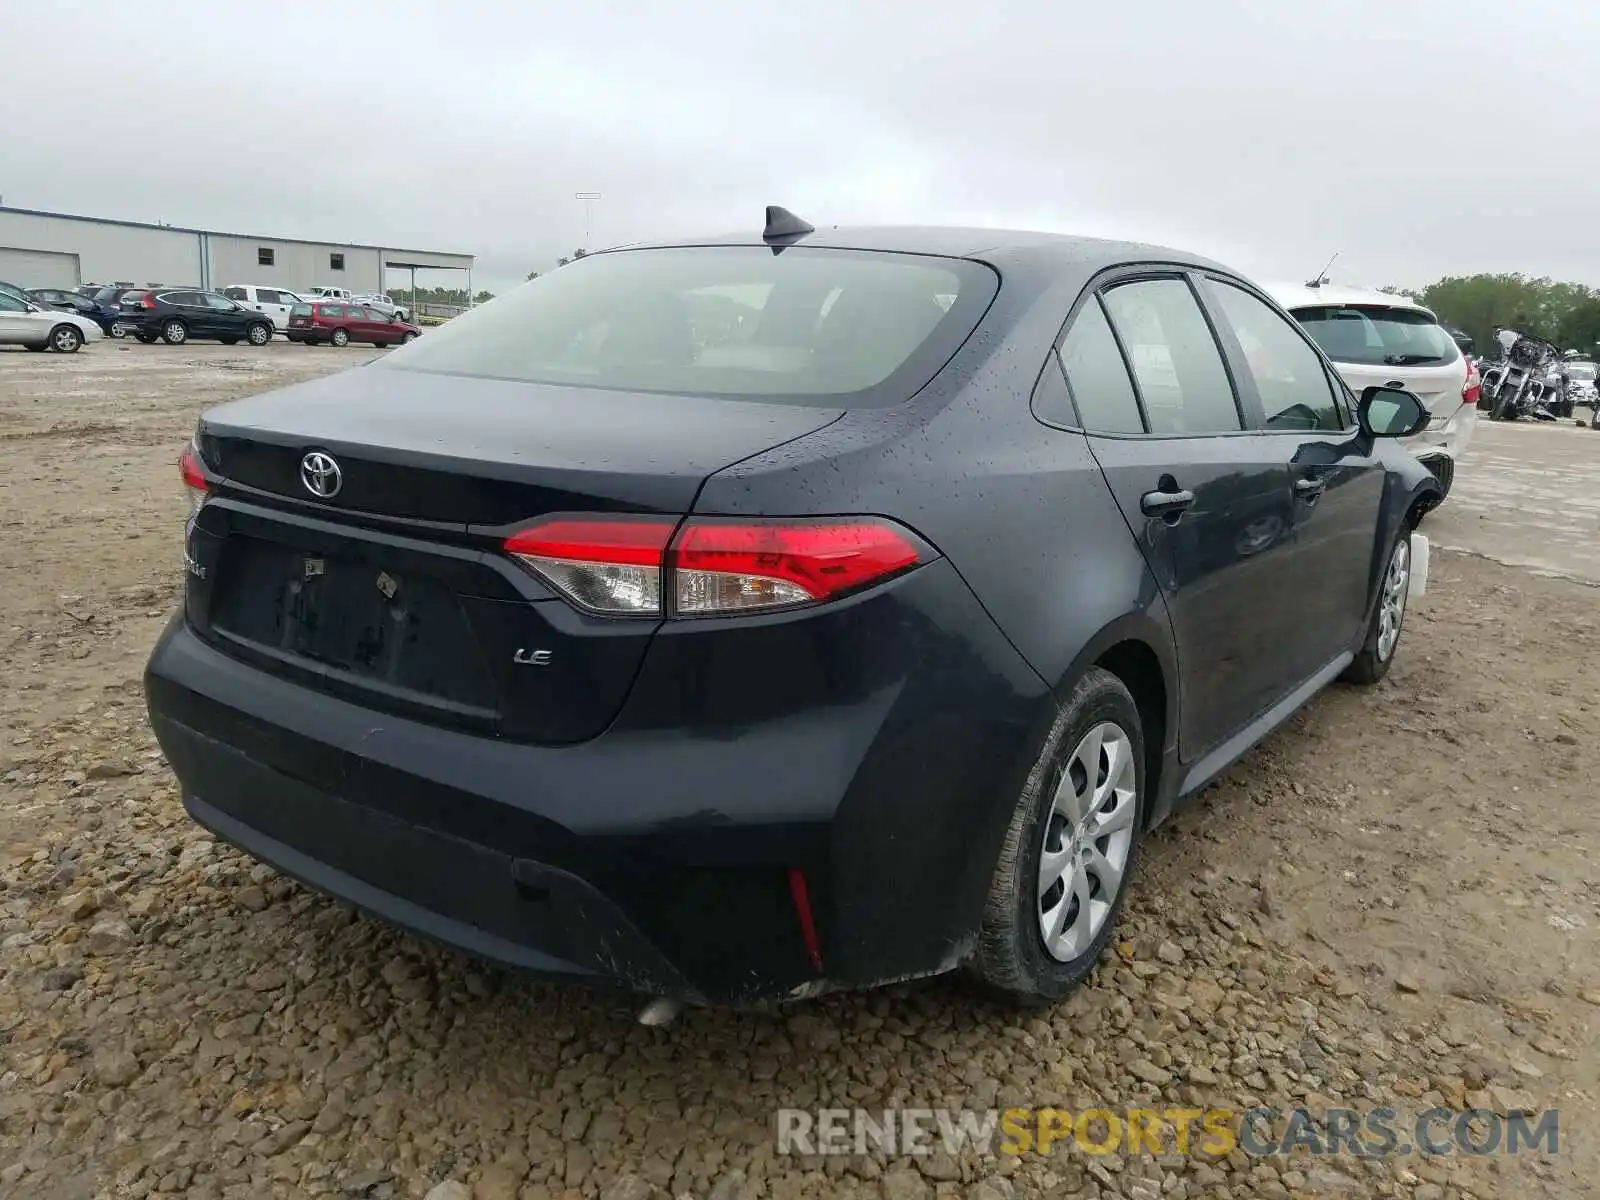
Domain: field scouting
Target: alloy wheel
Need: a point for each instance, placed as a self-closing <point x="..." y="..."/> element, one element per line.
<point x="65" y="340"/>
<point x="1392" y="604"/>
<point x="1087" y="840"/>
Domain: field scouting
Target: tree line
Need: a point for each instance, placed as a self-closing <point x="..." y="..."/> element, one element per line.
<point x="1565" y="314"/>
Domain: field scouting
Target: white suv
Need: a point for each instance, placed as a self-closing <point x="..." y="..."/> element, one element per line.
<point x="1378" y="338"/>
<point x="273" y="302"/>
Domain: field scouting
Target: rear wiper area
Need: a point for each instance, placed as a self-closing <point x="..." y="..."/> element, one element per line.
<point x="1410" y="360"/>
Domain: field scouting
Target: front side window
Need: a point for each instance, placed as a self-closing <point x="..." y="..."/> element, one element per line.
<point x="1097" y="374"/>
<point x="1175" y="360"/>
<point x="9" y="303"/>
<point x="1378" y="335"/>
<point x="1288" y="374"/>
<point x="810" y="325"/>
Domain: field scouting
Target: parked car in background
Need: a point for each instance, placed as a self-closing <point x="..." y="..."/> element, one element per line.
<point x="176" y="315"/>
<point x="1381" y="338"/>
<point x="105" y="316"/>
<point x="39" y="327"/>
<point x="1581" y="381"/>
<point x="274" y="302"/>
<point x="327" y="293"/>
<point x="860" y="642"/>
<point x="315" y="322"/>
<point x="385" y="305"/>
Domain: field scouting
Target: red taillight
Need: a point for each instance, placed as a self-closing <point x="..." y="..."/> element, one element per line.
<point x="734" y="566"/>
<point x="194" y="478"/>
<point x="147" y="301"/>
<point x="1471" y="389"/>
<point x="623" y="566"/>
<point x="608" y="565"/>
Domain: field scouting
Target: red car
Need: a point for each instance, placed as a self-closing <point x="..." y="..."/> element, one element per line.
<point x="343" y="323"/>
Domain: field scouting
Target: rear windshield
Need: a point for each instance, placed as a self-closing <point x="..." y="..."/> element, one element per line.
<point x="1583" y="372"/>
<point x="1374" y="334"/>
<point x="841" y="327"/>
<point x="300" y="310"/>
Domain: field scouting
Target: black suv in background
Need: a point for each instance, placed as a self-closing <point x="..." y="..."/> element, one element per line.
<point x="175" y="315"/>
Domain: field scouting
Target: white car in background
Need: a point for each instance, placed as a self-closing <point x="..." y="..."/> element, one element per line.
<point x="273" y="302"/>
<point x="39" y="327"/>
<point x="1381" y="338"/>
<point x="1581" y="382"/>
<point x="384" y="305"/>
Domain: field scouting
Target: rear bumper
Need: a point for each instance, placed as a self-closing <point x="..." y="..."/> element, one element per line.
<point x="653" y="857"/>
<point x="1450" y="440"/>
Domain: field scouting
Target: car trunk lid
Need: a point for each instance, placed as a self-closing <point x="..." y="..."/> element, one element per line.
<point x="393" y="591"/>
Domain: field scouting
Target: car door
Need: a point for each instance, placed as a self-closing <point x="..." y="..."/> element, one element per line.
<point x="17" y="324"/>
<point x="226" y="318"/>
<point x="1206" y="498"/>
<point x="1337" y="480"/>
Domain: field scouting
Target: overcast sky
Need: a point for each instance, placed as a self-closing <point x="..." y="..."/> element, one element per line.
<point x="1405" y="134"/>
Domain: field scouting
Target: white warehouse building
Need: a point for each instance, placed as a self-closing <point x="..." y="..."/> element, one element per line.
<point x="59" y="250"/>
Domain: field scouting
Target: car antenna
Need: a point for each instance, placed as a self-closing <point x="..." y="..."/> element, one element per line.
<point x="1322" y="275"/>
<point x="783" y="226"/>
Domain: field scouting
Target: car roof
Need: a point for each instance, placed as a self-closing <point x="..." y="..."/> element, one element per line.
<point x="1300" y="295"/>
<point x="995" y="246"/>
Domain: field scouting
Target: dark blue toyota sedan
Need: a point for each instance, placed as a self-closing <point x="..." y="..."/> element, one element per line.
<point x="751" y="617"/>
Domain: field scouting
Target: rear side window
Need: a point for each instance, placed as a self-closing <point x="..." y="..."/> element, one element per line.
<point x="1175" y="359"/>
<point x="809" y="325"/>
<point x="1097" y="375"/>
<point x="236" y="293"/>
<point x="1288" y="374"/>
<point x="1372" y="334"/>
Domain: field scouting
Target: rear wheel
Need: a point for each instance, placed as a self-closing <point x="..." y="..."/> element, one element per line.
<point x="341" y="337"/>
<point x="259" y="334"/>
<point x="1069" y="850"/>
<point x="1383" y="634"/>
<point x="408" y="339"/>
<point x="65" y="339"/>
<point x="174" y="333"/>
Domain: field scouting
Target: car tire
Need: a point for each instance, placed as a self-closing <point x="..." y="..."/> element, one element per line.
<point x="408" y="339"/>
<point x="259" y="334"/>
<point x="1382" y="642"/>
<point x="1061" y="806"/>
<point x="117" y="330"/>
<point x="174" y="333"/>
<point x="66" y="339"/>
<point x="340" y="337"/>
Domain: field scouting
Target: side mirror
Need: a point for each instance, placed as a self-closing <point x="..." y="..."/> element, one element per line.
<point x="1391" y="412"/>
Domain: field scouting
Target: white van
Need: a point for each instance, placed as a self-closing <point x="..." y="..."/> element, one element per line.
<point x="272" y="301"/>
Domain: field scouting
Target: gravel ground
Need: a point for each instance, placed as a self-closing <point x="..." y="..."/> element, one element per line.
<point x="1393" y="901"/>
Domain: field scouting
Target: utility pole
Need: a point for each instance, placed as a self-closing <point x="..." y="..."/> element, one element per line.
<point x="588" y="199"/>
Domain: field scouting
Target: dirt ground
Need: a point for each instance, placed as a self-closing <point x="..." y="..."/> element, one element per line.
<point x="1394" y="901"/>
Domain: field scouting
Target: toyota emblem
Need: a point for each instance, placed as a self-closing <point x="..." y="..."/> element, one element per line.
<point x="321" y="475"/>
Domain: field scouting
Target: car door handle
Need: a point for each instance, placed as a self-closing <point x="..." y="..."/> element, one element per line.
<point x="1310" y="489"/>
<point x="1170" y="505"/>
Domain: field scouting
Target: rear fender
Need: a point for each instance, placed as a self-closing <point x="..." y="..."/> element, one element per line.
<point x="1409" y="491"/>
